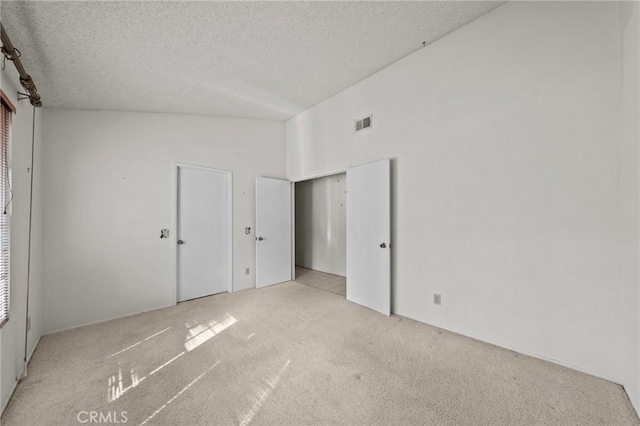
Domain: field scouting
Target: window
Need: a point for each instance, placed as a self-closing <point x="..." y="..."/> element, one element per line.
<point x="5" y="201"/>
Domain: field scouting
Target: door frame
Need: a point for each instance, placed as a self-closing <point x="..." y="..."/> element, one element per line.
<point x="319" y="175"/>
<point x="293" y="212"/>
<point x="173" y="238"/>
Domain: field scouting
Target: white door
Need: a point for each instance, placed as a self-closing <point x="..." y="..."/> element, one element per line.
<point x="204" y="232"/>
<point x="273" y="231"/>
<point x="369" y="235"/>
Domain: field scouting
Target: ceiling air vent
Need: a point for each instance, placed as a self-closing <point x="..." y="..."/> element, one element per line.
<point x="363" y="124"/>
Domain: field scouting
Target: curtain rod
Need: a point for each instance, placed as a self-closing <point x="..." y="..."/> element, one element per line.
<point x="25" y="79"/>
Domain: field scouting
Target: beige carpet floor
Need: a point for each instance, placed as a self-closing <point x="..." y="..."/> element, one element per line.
<point x="327" y="282"/>
<point x="292" y="354"/>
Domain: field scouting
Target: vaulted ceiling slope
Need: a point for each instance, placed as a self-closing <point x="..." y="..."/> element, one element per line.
<point x="267" y="60"/>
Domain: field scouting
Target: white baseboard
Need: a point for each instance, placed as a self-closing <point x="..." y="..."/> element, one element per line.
<point x="33" y="350"/>
<point x="107" y="319"/>
<point x="5" y="403"/>
<point x="15" y="383"/>
<point x="503" y="345"/>
<point x="632" y="403"/>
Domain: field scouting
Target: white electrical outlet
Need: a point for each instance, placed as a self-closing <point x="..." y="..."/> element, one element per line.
<point x="437" y="299"/>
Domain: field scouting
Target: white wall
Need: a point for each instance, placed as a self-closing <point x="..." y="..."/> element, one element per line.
<point x="12" y="334"/>
<point x="321" y="224"/>
<point x="109" y="190"/>
<point x="505" y="172"/>
<point x="629" y="195"/>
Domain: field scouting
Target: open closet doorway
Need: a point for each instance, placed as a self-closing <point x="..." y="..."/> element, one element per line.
<point x="320" y="233"/>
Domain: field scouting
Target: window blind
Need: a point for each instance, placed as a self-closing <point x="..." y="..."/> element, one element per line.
<point x="5" y="214"/>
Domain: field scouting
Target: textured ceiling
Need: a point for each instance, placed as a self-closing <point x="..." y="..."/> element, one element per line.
<point x="267" y="60"/>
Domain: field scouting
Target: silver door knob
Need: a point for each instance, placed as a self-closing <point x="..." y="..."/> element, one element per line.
<point x="383" y="245"/>
<point x="180" y="242"/>
<point x="260" y="238"/>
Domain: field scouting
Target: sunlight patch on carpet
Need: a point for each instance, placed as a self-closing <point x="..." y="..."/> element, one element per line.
<point x="262" y="396"/>
<point x="138" y="343"/>
<point x="201" y="333"/>
<point x="116" y="388"/>
<point x="155" y="413"/>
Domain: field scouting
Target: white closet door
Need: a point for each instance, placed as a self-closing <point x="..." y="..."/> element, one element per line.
<point x="369" y="235"/>
<point x="204" y="250"/>
<point x="273" y="231"/>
